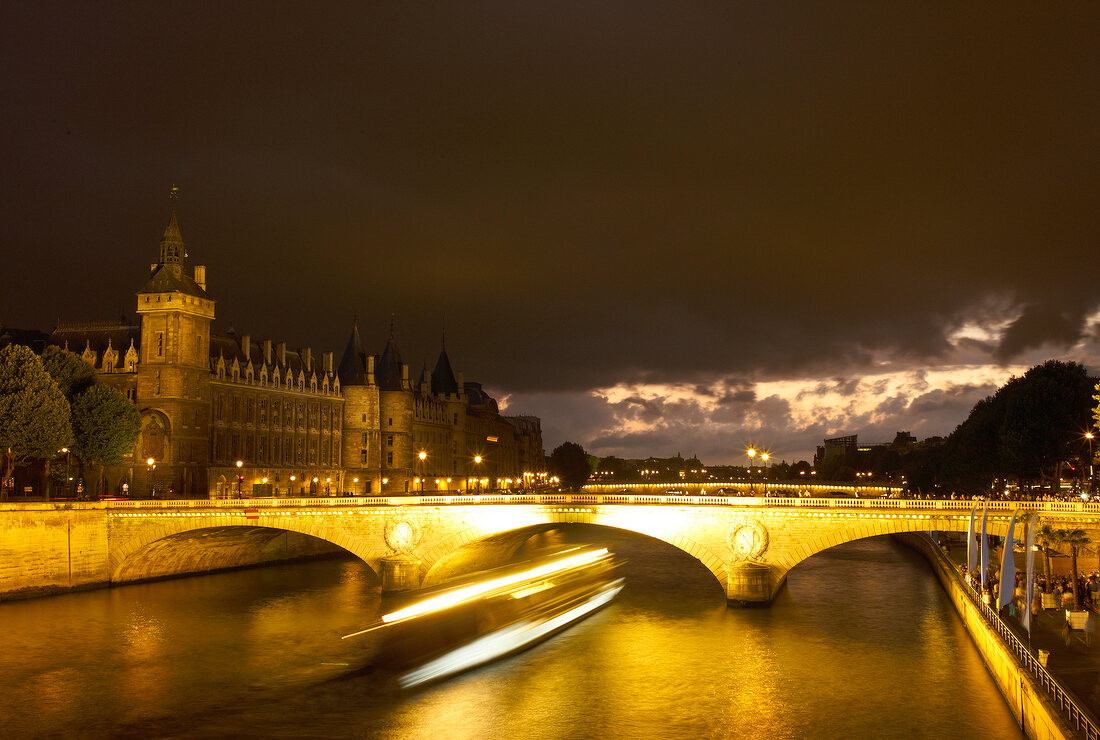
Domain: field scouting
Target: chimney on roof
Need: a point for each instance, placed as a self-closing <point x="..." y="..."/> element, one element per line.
<point x="370" y="369"/>
<point x="267" y="351"/>
<point x="281" y="351"/>
<point x="307" y="359"/>
<point x="326" y="362"/>
<point x="246" y="347"/>
<point x="152" y="268"/>
<point x="404" y="376"/>
<point x="200" y="276"/>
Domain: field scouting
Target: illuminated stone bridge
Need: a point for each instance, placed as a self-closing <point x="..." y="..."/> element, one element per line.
<point x="749" y="544"/>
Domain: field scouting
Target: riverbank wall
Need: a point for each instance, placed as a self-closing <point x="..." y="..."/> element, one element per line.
<point x="49" y="548"/>
<point x="1038" y="716"/>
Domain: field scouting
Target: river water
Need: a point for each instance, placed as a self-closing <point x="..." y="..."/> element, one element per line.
<point x="861" y="642"/>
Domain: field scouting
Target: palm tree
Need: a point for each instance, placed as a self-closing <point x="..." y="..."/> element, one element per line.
<point x="1075" y="538"/>
<point x="1047" y="536"/>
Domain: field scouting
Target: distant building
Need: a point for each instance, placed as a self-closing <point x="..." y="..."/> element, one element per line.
<point x="842" y="446"/>
<point x="297" y="424"/>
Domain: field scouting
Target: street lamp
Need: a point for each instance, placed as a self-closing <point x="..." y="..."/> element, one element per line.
<point x="1088" y="436"/>
<point x="751" y="452"/>
<point x="68" y="479"/>
<point x="423" y="456"/>
<point x="764" y="456"/>
<point x="477" y="462"/>
<point x="240" y="476"/>
<point x="151" y="465"/>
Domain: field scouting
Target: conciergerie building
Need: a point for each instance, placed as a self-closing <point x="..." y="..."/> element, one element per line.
<point x="222" y="412"/>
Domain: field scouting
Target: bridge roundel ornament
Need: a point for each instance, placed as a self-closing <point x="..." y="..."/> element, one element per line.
<point x="402" y="535"/>
<point x="747" y="539"/>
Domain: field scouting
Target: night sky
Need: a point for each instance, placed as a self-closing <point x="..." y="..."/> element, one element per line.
<point x="661" y="227"/>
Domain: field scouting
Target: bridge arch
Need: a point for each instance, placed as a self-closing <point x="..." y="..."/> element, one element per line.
<point x="473" y="548"/>
<point x="788" y="554"/>
<point x="183" y="545"/>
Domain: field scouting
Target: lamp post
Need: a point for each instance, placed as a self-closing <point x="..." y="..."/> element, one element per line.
<point x="422" y="456"/>
<point x="240" y="476"/>
<point x="151" y="465"/>
<point x="67" y="478"/>
<point x="751" y="452"/>
<point x="764" y="456"/>
<point x="477" y="462"/>
<point x="1088" y="436"/>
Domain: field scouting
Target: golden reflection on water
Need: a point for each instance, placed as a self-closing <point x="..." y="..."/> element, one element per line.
<point x="860" y="643"/>
<point x="143" y="652"/>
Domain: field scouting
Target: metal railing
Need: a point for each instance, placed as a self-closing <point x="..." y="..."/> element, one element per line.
<point x="1081" y="718"/>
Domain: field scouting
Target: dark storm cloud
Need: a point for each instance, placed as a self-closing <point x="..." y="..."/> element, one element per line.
<point x="580" y="194"/>
<point x="1041" y="324"/>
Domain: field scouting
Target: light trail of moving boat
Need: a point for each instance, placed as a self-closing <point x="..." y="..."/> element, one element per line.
<point x="504" y="611"/>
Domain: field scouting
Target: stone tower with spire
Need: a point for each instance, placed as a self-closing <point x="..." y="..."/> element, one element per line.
<point x="176" y="314"/>
<point x="362" y="453"/>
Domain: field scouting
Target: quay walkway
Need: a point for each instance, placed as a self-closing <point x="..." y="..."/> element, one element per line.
<point x="1071" y="675"/>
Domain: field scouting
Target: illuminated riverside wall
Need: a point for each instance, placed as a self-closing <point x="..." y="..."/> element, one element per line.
<point x="1034" y="711"/>
<point x="50" y="548"/>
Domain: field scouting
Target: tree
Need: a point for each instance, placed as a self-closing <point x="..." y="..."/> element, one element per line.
<point x="71" y="373"/>
<point x="1024" y="430"/>
<point x="105" y="428"/>
<point x="1047" y="537"/>
<point x="569" y="462"/>
<point x="34" y="415"/>
<point x="1074" y="538"/>
<point x="1046" y="411"/>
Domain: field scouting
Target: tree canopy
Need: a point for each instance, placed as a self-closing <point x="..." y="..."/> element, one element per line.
<point x="34" y="414"/>
<point x="1025" y="430"/>
<point x="71" y="373"/>
<point x="569" y="462"/>
<point x="105" y="426"/>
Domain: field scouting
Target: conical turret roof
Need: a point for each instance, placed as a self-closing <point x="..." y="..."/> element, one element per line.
<point x="353" y="365"/>
<point x="443" y="377"/>
<point x="388" y="373"/>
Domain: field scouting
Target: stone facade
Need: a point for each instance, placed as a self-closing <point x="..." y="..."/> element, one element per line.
<point x="222" y="414"/>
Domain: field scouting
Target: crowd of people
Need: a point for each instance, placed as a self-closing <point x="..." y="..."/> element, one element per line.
<point x="1088" y="592"/>
<point x="1035" y="495"/>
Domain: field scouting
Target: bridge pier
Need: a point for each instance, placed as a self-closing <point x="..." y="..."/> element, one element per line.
<point x="751" y="584"/>
<point x="400" y="573"/>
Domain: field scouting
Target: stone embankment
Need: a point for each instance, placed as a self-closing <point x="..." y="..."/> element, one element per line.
<point x="48" y="548"/>
<point x="1033" y="694"/>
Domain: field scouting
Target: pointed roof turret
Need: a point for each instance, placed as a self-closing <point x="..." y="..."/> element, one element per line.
<point x="443" y="377"/>
<point x="388" y="372"/>
<point x="168" y="275"/>
<point x="353" y="365"/>
<point x="171" y="246"/>
<point x="172" y="250"/>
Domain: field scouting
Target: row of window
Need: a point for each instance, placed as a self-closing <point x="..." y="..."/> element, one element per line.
<point x="250" y="410"/>
<point x="227" y="448"/>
